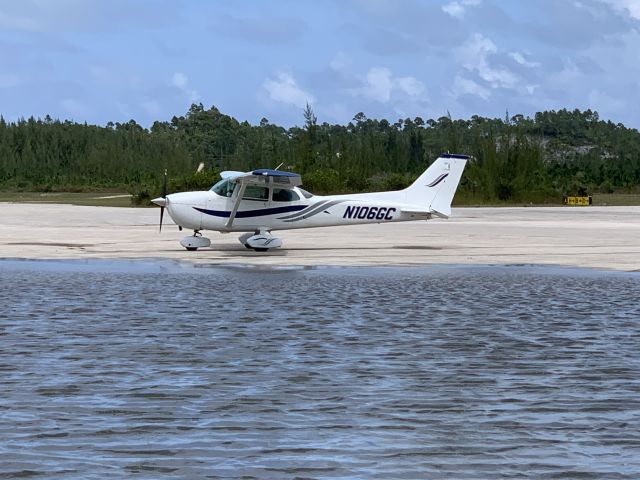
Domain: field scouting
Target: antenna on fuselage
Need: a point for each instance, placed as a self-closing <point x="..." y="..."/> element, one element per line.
<point x="278" y="167"/>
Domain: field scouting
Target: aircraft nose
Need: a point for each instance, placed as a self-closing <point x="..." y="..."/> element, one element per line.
<point x="161" y="202"/>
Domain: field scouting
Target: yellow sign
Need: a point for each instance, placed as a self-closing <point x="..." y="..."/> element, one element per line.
<point x="578" y="201"/>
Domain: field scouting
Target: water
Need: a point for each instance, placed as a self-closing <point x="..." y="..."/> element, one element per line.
<point x="162" y="371"/>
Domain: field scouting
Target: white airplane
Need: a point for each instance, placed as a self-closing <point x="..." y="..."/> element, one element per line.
<point x="262" y="201"/>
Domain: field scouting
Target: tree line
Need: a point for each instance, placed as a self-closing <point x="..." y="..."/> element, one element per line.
<point x="515" y="159"/>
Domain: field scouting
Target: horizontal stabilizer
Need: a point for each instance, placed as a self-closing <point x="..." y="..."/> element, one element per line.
<point x="415" y="211"/>
<point x="426" y="213"/>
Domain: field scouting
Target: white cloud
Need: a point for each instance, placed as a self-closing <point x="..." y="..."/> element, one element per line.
<point x="464" y="86"/>
<point x="474" y="56"/>
<point x="519" y="58"/>
<point x="458" y="9"/>
<point x="570" y="74"/>
<point x="454" y="9"/>
<point x="630" y="7"/>
<point x="285" y="89"/>
<point x="180" y="81"/>
<point x="380" y="84"/>
<point x="410" y="86"/>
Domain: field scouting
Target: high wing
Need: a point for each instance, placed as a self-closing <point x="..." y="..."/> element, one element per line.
<point x="263" y="177"/>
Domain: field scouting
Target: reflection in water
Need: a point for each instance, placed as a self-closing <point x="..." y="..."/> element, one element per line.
<point x="110" y="369"/>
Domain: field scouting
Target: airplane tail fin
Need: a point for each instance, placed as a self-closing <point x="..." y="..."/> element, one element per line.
<point x="435" y="188"/>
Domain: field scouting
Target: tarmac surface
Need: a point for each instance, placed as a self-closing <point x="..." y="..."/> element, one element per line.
<point x="597" y="237"/>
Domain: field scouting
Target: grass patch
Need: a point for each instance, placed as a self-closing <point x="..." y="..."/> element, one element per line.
<point x="98" y="199"/>
<point x="616" y="199"/>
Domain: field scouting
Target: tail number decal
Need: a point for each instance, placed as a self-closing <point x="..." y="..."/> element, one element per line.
<point x="369" y="213"/>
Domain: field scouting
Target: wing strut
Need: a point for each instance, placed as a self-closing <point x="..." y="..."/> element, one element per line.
<point x="234" y="210"/>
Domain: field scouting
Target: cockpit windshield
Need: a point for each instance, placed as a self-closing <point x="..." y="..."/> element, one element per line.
<point x="224" y="188"/>
<point x="305" y="193"/>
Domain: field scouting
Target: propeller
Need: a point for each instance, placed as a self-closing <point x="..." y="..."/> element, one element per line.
<point x="164" y="195"/>
<point x="161" y="201"/>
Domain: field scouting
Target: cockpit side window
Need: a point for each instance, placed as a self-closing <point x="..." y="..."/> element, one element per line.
<point x="224" y="188"/>
<point x="284" y="195"/>
<point x="256" y="193"/>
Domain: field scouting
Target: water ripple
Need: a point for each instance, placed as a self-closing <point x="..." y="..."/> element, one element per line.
<point x="369" y="373"/>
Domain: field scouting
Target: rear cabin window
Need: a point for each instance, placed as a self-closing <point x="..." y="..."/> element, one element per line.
<point x="283" y="195"/>
<point x="256" y="193"/>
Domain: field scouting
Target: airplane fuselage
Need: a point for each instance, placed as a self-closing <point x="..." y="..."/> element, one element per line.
<point x="209" y="211"/>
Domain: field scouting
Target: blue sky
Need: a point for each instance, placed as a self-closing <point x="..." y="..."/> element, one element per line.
<point x="100" y="61"/>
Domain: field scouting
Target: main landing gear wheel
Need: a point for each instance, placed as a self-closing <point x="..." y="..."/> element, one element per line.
<point x="260" y="241"/>
<point x="195" y="241"/>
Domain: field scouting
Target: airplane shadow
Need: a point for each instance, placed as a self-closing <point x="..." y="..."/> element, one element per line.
<point x="244" y="252"/>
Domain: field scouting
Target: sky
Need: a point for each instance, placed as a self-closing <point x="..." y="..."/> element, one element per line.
<point x="97" y="61"/>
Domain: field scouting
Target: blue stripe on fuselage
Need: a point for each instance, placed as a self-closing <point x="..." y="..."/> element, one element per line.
<point x="252" y="213"/>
